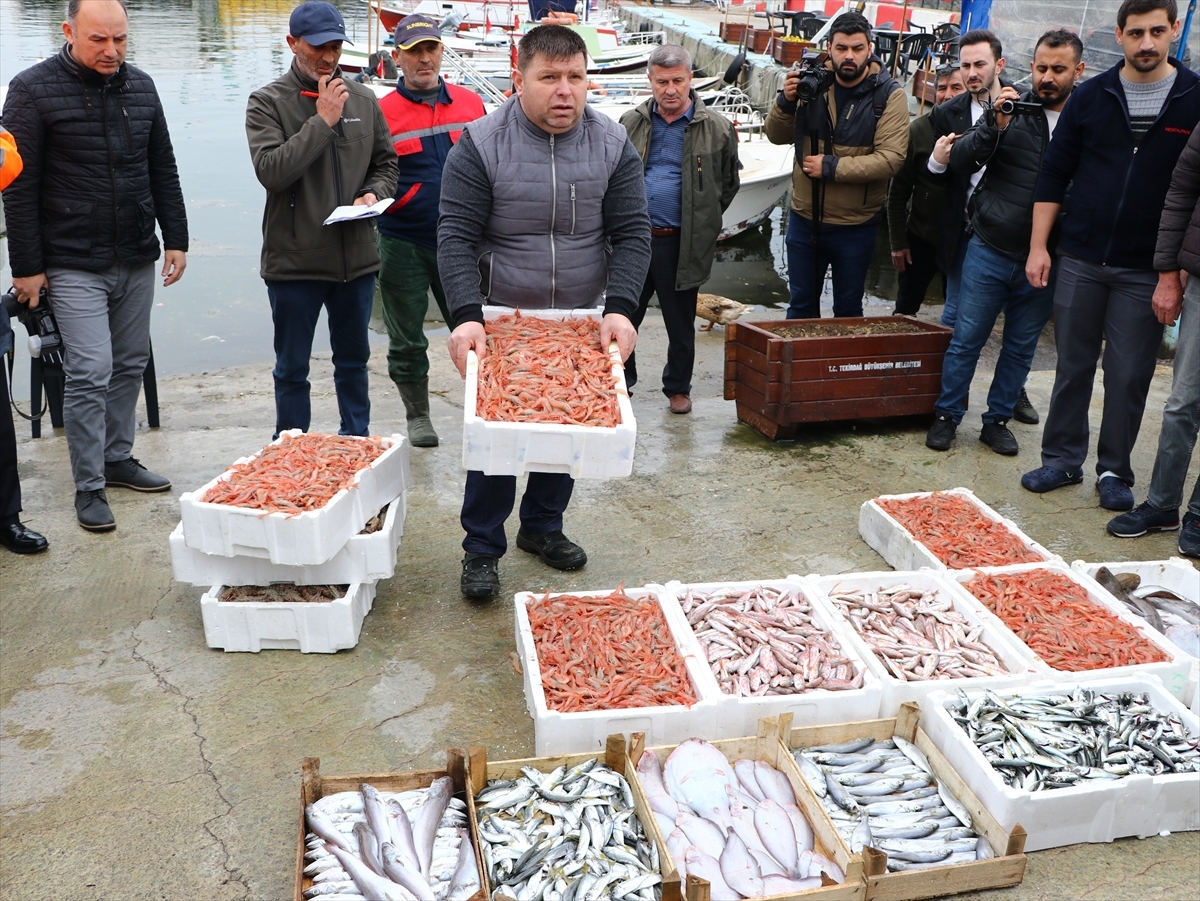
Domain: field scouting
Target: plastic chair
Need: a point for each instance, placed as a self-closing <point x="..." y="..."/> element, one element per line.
<point x="50" y="377"/>
<point x="913" y="48"/>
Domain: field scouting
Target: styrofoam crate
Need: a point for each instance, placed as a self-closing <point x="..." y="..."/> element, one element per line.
<point x="587" y="731"/>
<point x="319" y="628"/>
<point x="515" y="448"/>
<point x="364" y="558"/>
<point x="1173" y="672"/>
<point x="899" y="547"/>
<point x="738" y="716"/>
<point x="1096" y="810"/>
<point x="298" y="539"/>
<point x="1019" y="660"/>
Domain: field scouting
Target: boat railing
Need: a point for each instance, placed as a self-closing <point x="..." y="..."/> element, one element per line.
<point x="468" y="76"/>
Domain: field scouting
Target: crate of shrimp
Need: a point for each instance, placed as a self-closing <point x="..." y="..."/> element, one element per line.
<point x="944" y="530"/>
<point x="1072" y="626"/>
<point x="1090" y="761"/>
<point x="546" y="397"/>
<point x="598" y="663"/>
<point x="886" y="792"/>
<point x="921" y="633"/>
<point x="312" y="619"/>
<point x="298" y="500"/>
<point x="769" y="650"/>
<point x="386" y="835"/>
<point x="735" y="817"/>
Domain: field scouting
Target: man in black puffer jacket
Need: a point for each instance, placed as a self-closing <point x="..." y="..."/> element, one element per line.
<point x="993" y="273"/>
<point x="99" y="170"/>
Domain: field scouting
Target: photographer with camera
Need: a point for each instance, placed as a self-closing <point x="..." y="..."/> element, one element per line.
<point x="849" y="121"/>
<point x="1009" y="140"/>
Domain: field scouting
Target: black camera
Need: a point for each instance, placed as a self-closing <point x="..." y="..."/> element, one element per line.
<point x="1018" y="107"/>
<point x="44" y="339"/>
<point x="815" y="79"/>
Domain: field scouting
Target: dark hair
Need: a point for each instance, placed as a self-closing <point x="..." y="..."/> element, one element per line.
<point x="1060" y="37"/>
<point x="945" y="71"/>
<point x="1141" y="7"/>
<point x="552" y="42"/>
<point x="851" y="23"/>
<point x="73" y="9"/>
<point x="982" y="36"/>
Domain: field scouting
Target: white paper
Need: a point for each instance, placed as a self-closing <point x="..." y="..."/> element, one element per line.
<point x="362" y="211"/>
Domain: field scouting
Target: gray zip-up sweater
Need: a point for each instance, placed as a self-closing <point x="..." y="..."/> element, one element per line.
<point x="538" y="221"/>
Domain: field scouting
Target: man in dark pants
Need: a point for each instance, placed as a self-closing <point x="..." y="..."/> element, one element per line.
<point x="914" y="203"/>
<point x="669" y="130"/>
<point x="319" y="142"/>
<point x="1116" y="146"/>
<point x="504" y="183"/>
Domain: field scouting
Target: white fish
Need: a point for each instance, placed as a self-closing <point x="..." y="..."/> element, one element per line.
<point x="954" y="805"/>
<point x="401" y="828"/>
<point x="701" y="776"/>
<point x="665" y="823"/>
<point x="775" y="829"/>
<point x="780" y="885"/>
<point x="371" y="885"/>
<point x="804" y="833"/>
<point x="465" y="880"/>
<point x="650" y="774"/>
<point x="767" y="865"/>
<point x="702" y="833"/>
<point x="425" y="830"/>
<point x="740" y="869"/>
<point x="400" y="871"/>
<point x="321" y="825"/>
<point x="706" y="867"/>
<point x="744" y="769"/>
<point x="822" y="864"/>
<point x="774" y="784"/>
<point x="744" y="828"/>
<point x="913" y="753"/>
<point x="677" y="846"/>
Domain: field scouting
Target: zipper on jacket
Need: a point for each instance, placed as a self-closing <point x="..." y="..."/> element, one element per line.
<point x="112" y="173"/>
<point x="553" y="217"/>
<point x="572" y="207"/>
<point x="1129" y="171"/>
<point x="337" y="189"/>
<point x="292" y="204"/>
<point x="128" y="127"/>
<point x="700" y="172"/>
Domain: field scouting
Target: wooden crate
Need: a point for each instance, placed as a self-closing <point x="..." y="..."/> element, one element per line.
<point x="788" y="52"/>
<point x="732" y="32"/>
<point x="781" y="382"/>
<point x="924" y="83"/>
<point x="1006" y="869"/>
<point x="760" y="39"/>
<point x="314" y="786"/>
<point x="479" y="771"/>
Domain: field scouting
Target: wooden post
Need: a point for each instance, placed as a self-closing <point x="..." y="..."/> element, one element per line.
<point x="614" y="754"/>
<point x="899" y="38"/>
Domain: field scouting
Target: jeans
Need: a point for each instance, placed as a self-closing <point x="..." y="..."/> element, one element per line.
<point x="407" y="273"/>
<point x="679" y="317"/>
<point x="993" y="283"/>
<point x="954" y="281"/>
<point x="914" y="281"/>
<point x="104" y="319"/>
<point x="10" y="480"/>
<point x="295" y="307"/>
<point x="1181" y="415"/>
<point x="488" y="501"/>
<point x="848" y="248"/>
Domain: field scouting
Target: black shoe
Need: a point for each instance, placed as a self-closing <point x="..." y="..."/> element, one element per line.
<point x="1023" y="410"/>
<point x="132" y="474"/>
<point x="92" y="511"/>
<point x="480" y="577"/>
<point x="941" y="433"/>
<point x="21" y="540"/>
<point x="1115" y="494"/>
<point x="554" y="548"/>
<point x="1143" y="518"/>
<point x="1189" y="536"/>
<point x="997" y="436"/>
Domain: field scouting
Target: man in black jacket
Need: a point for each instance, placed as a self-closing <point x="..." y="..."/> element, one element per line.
<point x="99" y="170"/>
<point x="993" y="273"/>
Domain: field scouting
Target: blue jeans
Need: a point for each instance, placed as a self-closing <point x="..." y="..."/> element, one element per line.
<point x="954" y="281"/>
<point x="993" y="283"/>
<point x="848" y="248"/>
<point x="488" y="501"/>
<point x="295" y="307"/>
<point x="1181" y="416"/>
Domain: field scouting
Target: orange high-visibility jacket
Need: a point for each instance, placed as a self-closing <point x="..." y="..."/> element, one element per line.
<point x="10" y="160"/>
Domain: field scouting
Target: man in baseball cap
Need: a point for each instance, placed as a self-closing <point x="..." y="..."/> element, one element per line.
<point x="413" y="29"/>
<point x="318" y="23"/>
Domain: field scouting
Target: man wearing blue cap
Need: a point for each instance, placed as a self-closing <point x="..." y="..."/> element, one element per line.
<point x="426" y="116"/>
<point x="319" y="142"/>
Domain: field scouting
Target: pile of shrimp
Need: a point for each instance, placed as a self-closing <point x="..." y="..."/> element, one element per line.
<point x="956" y="531"/>
<point x="604" y="653"/>
<point x="1059" y="622"/>
<point x="299" y="473"/>
<point x="546" y="370"/>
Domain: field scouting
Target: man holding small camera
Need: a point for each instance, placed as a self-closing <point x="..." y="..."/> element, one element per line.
<point x="1009" y="140"/>
<point x="849" y="121"/>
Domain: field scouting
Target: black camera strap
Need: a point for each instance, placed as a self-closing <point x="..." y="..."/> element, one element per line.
<point x="8" y="361"/>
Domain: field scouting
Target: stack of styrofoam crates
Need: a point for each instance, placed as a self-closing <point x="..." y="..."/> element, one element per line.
<point x="217" y="546"/>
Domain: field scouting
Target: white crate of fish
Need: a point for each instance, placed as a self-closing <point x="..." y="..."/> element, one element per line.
<point x="1073" y="627"/>
<point x="888" y="627"/>
<point x="1093" y="770"/>
<point x="999" y="540"/>
<point x="578" y="654"/>
<point x="311" y="627"/>
<point x="367" y="557"/>
<point x="744" y="631"/>
<point x="515" y="448"/>
<point x="1164" y="593"/>
<point x="289" y="538"/>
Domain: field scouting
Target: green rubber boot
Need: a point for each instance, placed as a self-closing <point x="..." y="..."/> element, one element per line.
<point x="416" y="406"/>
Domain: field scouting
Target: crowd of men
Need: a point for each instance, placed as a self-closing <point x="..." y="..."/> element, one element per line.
<point x="1072" y="199"/>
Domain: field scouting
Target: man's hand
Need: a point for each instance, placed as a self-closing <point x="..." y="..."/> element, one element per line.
<point x="1009" y="93"/>
<point x="1037" y="267"/>
<point x="616" y="327"/>
<point x="1168" y="297"/>
<point x="331" y="97"/>
<point x="468" y="336"/>
<point x="174" y="262"/>
<point x="901" y="259"/>
<point x="790" y="82"/>
<point x="29" y="287"/>
<point x="941" y="150"/>
<point x="368" y="199"/>
<point x="813" y="165"/>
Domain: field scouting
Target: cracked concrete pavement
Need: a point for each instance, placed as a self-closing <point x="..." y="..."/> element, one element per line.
<point x="136" y="762"/>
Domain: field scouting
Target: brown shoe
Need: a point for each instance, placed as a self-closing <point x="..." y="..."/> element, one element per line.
<point x="681" y="403"/>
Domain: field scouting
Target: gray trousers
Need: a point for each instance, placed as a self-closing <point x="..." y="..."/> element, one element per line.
<point x="1094" y="303"/>
<point x="104" y="319"/>
<point x="1181" y="415"/>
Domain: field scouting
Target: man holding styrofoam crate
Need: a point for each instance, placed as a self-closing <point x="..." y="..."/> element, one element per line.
<point x="543" y="206"/>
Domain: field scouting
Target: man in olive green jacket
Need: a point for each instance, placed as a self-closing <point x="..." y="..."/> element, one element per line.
<point x="318" y="142"/>
<point x="691" y="167"/>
